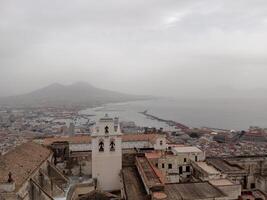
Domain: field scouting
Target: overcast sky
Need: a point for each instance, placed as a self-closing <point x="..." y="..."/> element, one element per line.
<point x="135" y="46"/>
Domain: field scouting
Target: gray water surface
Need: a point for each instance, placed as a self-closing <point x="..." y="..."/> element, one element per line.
<point x="235" y="114"/>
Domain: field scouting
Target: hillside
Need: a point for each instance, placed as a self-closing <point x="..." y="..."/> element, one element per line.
<point x="77" y="94"/>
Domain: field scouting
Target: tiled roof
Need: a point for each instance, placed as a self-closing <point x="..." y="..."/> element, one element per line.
<point x="153" y="155"/>
<point x="185" y="149"/>
<point x="80" y="139"/>
<point x="203" y="190"/>
<point x="77" y="139"/>
<point x="147" y="172"/>
<point x="22" y="162"/>
<point x="139" y="137"/>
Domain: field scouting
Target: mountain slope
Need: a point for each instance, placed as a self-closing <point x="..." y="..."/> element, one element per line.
<point x="77" y="94"/>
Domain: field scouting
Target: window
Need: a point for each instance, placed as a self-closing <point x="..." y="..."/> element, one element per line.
<point x="184" y="159"/>
<point x="157" y="164"/>
<point x="161" y="142"/>
<point x="252" y="186"/>
<point x="169" y="166"/>
<point x="196" y="158"/>
<point x="106" y="130"/>
<point x="101" y="146"/>
<point x="187" y="169"/>
<point x="112" y="145"/>
<point x="180" y="169"/>
<point x="162" y="166"/>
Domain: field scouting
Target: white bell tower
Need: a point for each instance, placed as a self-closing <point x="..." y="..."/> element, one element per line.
<point x="107" y="154"/>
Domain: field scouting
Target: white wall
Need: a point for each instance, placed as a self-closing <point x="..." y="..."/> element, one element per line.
<point x="160" y="144"/>
<point x="107" y="165"/>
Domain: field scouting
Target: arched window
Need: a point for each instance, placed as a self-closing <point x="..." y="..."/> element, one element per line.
<point x="106" y="129"/>
<point x="101" y="145"/>
<point x="112" y="145"/>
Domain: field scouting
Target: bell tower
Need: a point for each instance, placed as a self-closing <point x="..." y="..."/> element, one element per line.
<point x="107" y="154"/>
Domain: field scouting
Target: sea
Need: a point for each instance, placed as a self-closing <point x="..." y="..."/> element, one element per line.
<point x="232" y="114"/>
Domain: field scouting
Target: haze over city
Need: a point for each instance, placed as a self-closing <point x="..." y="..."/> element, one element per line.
<point x="133" y="99"/>
<point x="155" y="47"/>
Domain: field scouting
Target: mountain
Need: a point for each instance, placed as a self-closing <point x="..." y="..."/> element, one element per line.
<point x="77" y="94"/>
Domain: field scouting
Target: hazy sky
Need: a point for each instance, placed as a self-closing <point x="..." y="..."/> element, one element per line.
<point x="135" y="46"/>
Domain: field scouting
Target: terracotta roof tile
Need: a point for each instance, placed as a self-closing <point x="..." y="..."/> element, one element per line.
<point x="79" y="139"/>
<point x="139" y="137"/>
<point x="22" y="161"/>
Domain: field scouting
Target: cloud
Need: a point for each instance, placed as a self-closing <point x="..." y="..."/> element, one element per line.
<point x="172" y="19"/>
<point x="151" y="46"/>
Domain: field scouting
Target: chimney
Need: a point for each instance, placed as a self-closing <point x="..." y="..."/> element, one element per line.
<point x="10" y="179"/>
<point x="9" y="186"/>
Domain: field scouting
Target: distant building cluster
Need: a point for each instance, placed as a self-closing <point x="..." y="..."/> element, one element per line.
<point x="9" y="140"/>
<point x="110" y="164"/>
<point x="18" y="125"/>
<point x="224" y="142"/>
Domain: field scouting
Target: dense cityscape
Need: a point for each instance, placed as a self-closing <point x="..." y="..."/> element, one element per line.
<point x="65" y="148"/>
<point x="20" y="125"/>
<point x="133" y="100"/>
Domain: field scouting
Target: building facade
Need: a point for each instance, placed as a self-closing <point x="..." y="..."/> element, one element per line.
<point x="107" y="155"/>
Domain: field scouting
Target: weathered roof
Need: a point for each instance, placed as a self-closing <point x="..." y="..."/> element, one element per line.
<point x="22" y="162"/>
<point x="192" y="191"/>
<point x="221" y="182"/>
<point x="187" y="149"/>
<point x="77" y="139"/>
<point x="81" y="139"/>
<point x="154" y="154"/>
<point x="208" y="168"/>
<point x="224" y="166"/>
<point x="133" y="185"/>
<point x="140" y="137"/>
<point x="148" y="174"/>
<point x="96" y="194"/>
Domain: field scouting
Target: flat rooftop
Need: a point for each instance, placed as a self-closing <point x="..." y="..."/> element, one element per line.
<point x="184" y="149"/>
<point x="153" y="155"/>
<point x="207" y="168"/>
<point x="133" y="184"/>
<point x="190" y="191"/>
<point x="221" y="182"/>
<point x="224" y="166"/>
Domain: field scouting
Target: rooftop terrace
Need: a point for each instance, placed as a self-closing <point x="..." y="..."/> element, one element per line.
<point x="224" y="166"/>
<point x="203" y="190"/>
<point x="133" y="184"/>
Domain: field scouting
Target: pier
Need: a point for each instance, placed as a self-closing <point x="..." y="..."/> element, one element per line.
<point x="169" y="122"/>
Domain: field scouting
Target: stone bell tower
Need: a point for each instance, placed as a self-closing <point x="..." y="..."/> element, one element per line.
<point x="107" y="154"/>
